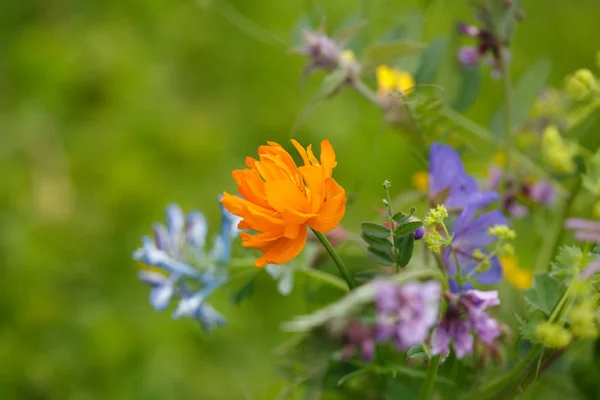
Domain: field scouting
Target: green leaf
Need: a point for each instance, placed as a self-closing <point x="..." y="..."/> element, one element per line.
<point x="405" y="247"/>
<point x="352" y="374"/>
<point x="545" y="293"/>
<point x="380" y="257"/>
<point x="416" y="352"/>
<point x="371" y="229"/>
<point x="430" y="61"/>
<point x="470" y="81"/>
<point x="381" y="244"/>
<point x="407" y="228"/>
<point x="528" y="329"/>
<point x="524" y="93"/>
<point x="245" y="291"/>
<point x="402" y="218"/>
<point x="331" y="83"/>
<point x="388" y="53"/>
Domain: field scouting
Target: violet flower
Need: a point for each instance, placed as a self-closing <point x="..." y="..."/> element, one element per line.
<point x="465" y="317"/>
<point x="406" y="313"/>
<point x="450" y="185"/>
<point x="358" y="337"/>
<point x="585" y="230"/>
<point x="487" y="47"/>
<point x="470" y="234"/>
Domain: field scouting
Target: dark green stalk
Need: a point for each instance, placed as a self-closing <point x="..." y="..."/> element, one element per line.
<point x="428" y="384"/>
<point x="336" y="258"/>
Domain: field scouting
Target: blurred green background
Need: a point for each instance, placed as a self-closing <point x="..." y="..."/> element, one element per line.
<point x="112" y="109"/>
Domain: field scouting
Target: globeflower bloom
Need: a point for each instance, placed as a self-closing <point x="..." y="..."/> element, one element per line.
<point x="279" y="200"/>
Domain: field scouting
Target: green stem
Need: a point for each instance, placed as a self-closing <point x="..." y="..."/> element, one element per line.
<point x="366" y="92"/>
<point x="559" y="231"/>
<point x="508" y="134"/>
<point x="509" y="379"/>
<point x="428" y="384"/>
<point x="386" y="186"/>
<point x="336" y="258"/>
<point x="324" y="277"/>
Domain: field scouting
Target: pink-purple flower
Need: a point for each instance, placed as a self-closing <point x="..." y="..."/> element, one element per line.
<point x="405" y="314"/>
<point x="465" y="318"/>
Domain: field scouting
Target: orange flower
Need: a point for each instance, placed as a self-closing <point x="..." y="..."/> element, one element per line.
<point x="279" y="200"/>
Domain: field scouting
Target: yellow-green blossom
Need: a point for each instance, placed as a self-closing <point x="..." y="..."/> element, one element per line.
<point x="502" y="232"/>
<point x="558" y="153"/>
<point x="582" y="320"/>
<point x="581" y="84"/>
<point x="553" y="335"/>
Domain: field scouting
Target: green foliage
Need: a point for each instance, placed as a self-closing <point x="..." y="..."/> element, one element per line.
<point x="405" y="245"/>
<point x="545" y="293"/>
<point x="388" y="53"/>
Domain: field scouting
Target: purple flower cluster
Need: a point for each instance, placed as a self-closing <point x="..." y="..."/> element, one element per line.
<point x="540" y="193"/>
<point x="464" y="318"/>
<point x="488" y="47"/>
<point x="406" y="313"/>
<point x="449" y="183"/>
<point x="470" y="234"/>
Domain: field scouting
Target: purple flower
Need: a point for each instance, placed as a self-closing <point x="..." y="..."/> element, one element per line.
<point x="419" y="233"/>
<point x="465" y="317"/>
<point x="585" y="230"/>
<point x="470" y="234"/>
<point x="542" y="192"/>
<point x="358" y="336"/>
<point x="469" y="30"/>
<point x="450" y="185"/>
<point x="468" y="56"/>
<point x="405" y="314"/>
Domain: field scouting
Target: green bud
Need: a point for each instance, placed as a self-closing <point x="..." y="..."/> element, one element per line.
<point x="581" y="84"/>
<point x="582" y="320"/>
<point x="553" y="335"/>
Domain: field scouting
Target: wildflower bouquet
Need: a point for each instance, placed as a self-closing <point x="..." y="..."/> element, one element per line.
<point x="420" y="317"/>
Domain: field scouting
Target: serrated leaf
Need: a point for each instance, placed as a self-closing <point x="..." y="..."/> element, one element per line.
<point x="381" y="244"/>
<point x="407" y="228"/>
<point x="371" y="229"/>
<point x="244" y="292"/>
<point x="528" y="329"/>
<point x="430" y="61"/>
<point x="388" y="53"/>
<point x="380" y="257"/>
<point x="526" y="90"/>
<point x="402" y="218"/>
<point x="470" y="81"/>
<point x="405" y="247"/>
<point x="545" y="293"/>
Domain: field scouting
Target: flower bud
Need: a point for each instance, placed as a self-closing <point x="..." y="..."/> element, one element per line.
<point x="582" y="320"/>
<point x="323" y="50"/>
<point x="557" y="153"/>
<point x="553" y="335"/>
<point x="581" y="84"/>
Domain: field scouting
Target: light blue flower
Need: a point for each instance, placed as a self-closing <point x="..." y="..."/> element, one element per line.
<point x="151" y="255"/>
<point x="163" y="287"/>
<point x="284" y="275"/>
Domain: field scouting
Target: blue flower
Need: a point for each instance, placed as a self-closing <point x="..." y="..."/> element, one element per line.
<point x="470" y="234"/>
<point x="179" y="261"/>
<point x="450" y="185"/>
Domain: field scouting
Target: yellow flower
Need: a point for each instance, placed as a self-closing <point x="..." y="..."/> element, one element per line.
<point x="518" y="277"/>
<point x="280" y="200"/>
<point x="392" y="79"/>
<point x="420" y="181"/>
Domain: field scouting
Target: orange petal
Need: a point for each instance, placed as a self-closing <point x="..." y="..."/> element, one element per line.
<point x="255" y="217"/>
<point x="251" y="187"/>
<point x="302" y="152"/>
<point x="269" y="171"/>
<point x="315" y="185"/>
<point x="284" y="194"/>
<point x="283" y="250"/>
<point x="262" y="241"/>
<point x="311" y="156"/>
<point x="327" y="157"/>
<point x="332" y="211"/>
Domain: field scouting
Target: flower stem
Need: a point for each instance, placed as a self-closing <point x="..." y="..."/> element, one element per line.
<point x="508" y="134"/>
<point x="386" y="186"/>
<point x="559" y="232"/>
<point x="432" y="370"/>
<point x="336" y="258"/>
<point x="509" y="379"/>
